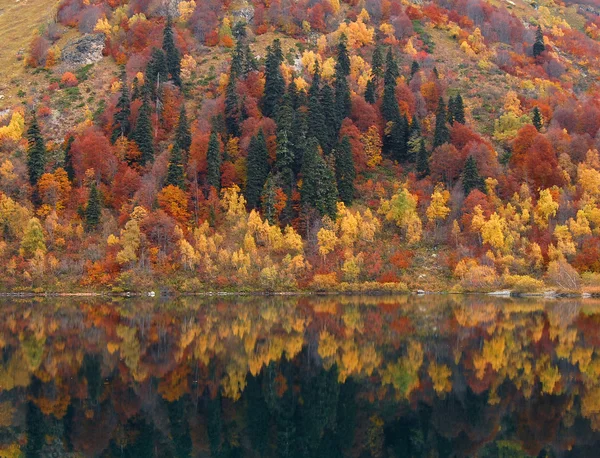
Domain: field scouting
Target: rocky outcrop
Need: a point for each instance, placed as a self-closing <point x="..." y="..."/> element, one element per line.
<point x="83" y="51"/>
<point x="243" y="11"/>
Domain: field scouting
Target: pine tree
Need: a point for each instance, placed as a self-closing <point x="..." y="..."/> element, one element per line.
<point x="371" y="92"/>
<point x="142" y="134"/>
<point x="396" y="142"/>
<point x="175" y="173"/>
<point x="121" y="125"/>
<point x="172" y="54"/>
<point x="459" y="109"/>
<point x="68" y="165"/>
<point x="470" y="176"/>
<point x="422" y="164"/>
<point x="268" y="198"/>
<point x="183" y="135"/>
<point x="414" y="140"/>
<point x="298" y="140"/>
<point x="136" y="92"/>
<point x="538" y="121"/>
<point x="319" y="190"/>
<point x="257" y="169"/>
<point x="242" y="61"/>
<point x="36" y="151"/>
<point x="441" y="134"/>
<point x="213" y="160"/>
<point x="345" y="173"/>
<point x="93" y="210"/>
<point x="539" y="47"/>
<point x="274" y="82"/>
<point x="285" y="154"/>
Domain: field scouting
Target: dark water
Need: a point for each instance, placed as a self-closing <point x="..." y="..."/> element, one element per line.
<point x="300" y="377"/>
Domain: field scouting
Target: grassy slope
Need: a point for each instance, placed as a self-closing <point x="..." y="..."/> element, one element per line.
<point x="19" y="19"/>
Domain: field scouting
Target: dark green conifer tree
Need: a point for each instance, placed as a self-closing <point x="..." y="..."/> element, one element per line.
<point x="36" y="151"/>
<point x="68" y="164"/>
<point x="319" y="190"/>
<point x="422" y="164"/>
<point x="345" y="173"/>
<point x="183" y="135"/>
<point x="389" y="106"/>
<point x="539" y="47"/>
<point x="537" y="120"/>
<point x="414" y="68"/>
<point x="285" y="153"/>
<point x="274" y="82"/>
<point x="175" y="173"/>
<point x="459" y="109"/>
<point x="342" y="90"/>
<point x="213" y="163"/>
<point x="377" y="62"/>
<point x="332" y="122"/>
<point x="371" y="92"/>
<point x="136" y="91"/>
<point x="172" y="54"/>
<point x="257" y="169"/>
<point x="233" y="115"/>
<point x="268" y="198"/>
<point x="142" y="134"/>
<point x="414" y="140"/>
<point x="470" y="176"/>
<point x="316" y="117"/>
<point x="121" y="125"/>
<point x="441" y="134"/>
<point x="93" y="210"/>
<point x="156" y="71"/>
<point x="451" y="110"/>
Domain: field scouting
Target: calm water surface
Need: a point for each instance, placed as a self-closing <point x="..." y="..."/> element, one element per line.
<point x="300" y="377"/>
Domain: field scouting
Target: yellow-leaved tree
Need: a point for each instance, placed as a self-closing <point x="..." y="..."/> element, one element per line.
<point x="402" y="210"/>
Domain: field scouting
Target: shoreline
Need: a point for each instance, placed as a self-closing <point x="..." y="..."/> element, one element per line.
<point x="172" y="295"/>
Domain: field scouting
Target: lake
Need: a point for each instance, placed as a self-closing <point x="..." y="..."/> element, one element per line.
<point x="408" y="376"/>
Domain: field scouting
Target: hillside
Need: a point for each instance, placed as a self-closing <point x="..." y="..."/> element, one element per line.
<point x="281" y="145"/>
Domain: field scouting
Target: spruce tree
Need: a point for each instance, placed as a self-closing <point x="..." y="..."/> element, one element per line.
<point x="121" y="125"/>
<point x="242" y="61"/>
<point x="268" y="198"/>
<point x="470" y="176"/>
<point x="539" y="47"/>
<point x="257" y="169"/>
<point x="93" y="210"/>
<point x="459" y="109"/>
<point x="156" y="71"/>
<point x="396" y="142"/>
<point x="422" y="164"/>
<point x="285" y="154"/>
<point x="172" y="54"/>
<point x="537" y="119"/>
<point x="319" y="190"/>
<point x="36" y="151"/>
<point x="342" y="90"/>
<point x="316" y="117"/>
<point x="414" y="68"/>
<point x="414" y="140"/>
<point x="142" y="134"/>
<point x="377" y="62"/>
<point x="274" y="82"/>
<point x="332" y="125"/>
<point x="441" y="134"/>
<point x="183" y="135"/>
<point x="68" y="164"/>
<point x="213" y="160"/>
<point x="175" y="173"/>
<point x="451" y="110"/>
<point x="136" y="92"/>
<point x="233" y="115"/>
<point x="345" y="173"/>
<point x="389" y="106"/>
<point x="371" y="92"/>
<point x="298" y="141"/>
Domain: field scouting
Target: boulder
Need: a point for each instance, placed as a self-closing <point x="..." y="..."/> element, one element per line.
<point x="83" y="51"/>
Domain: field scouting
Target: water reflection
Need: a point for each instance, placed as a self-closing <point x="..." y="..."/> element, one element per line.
<point x="300" y="377"/>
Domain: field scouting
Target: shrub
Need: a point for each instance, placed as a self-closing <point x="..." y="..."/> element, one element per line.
<point x="324" y="282"/>
<point x="68" y="80"/>
<point x="522" y="283"/>
<point x="563" y="275"/>
<point x="479" y="278"/>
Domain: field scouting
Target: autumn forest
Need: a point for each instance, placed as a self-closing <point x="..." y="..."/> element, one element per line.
<point x="359" y="145"/>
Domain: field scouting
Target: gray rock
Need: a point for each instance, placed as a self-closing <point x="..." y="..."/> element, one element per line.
<point x="83" y="51"/>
